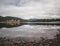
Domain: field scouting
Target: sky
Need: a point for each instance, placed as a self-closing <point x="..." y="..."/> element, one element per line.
<point x="28" y="9"/>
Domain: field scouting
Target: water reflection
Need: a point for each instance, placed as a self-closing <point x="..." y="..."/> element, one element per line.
<point x="30" y="31"/>
<point x="3" y="25"/>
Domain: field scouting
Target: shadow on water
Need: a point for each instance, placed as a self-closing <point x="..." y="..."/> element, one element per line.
<point x="2" y="25"/>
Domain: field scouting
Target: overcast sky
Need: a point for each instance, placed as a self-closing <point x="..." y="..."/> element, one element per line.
<point x="30" y="8"/>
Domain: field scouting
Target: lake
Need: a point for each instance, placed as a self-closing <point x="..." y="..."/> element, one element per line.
<point x="30" y="31"/>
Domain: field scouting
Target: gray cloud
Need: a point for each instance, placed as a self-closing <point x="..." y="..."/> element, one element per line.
<point x="9" y="2"/>
<point x="30" y="9"/>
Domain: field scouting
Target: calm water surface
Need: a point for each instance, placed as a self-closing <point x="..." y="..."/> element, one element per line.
<point x="30" y="31"/>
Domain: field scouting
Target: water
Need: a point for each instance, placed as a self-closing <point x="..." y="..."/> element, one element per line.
<point x="27" y="9"/>
<point x="30" y="31"/>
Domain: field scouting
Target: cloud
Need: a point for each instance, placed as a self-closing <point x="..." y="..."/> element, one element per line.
<point x="29" y="8"/>
<point x="9" y="2"/>
<point x="22" y="11"/>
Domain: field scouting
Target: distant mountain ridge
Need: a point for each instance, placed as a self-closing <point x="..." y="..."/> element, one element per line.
<point x="9" y="21"/>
